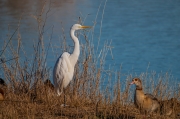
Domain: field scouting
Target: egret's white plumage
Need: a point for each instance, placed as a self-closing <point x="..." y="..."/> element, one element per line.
<point x="64" y="67"/>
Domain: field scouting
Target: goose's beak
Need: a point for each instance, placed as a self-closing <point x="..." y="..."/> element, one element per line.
<point x="131" y="83"/>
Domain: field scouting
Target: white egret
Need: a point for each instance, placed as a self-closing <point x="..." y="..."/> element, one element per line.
<point x="64" y="67"/>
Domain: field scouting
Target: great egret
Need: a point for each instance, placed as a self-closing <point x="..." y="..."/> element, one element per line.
<point x="143" y="101"/>
<point x="64" y="67"/>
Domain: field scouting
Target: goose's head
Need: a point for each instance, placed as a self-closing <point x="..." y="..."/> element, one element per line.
<point x="137" y="82"/>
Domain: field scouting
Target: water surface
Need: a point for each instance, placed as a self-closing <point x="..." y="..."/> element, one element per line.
<point x="145" y="34"/>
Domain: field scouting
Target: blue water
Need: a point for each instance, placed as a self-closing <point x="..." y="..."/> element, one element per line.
<point x="145" y="34"/>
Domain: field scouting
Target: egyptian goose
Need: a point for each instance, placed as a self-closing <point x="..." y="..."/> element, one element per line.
<point x="170" y="107"/>
<point x="1" y="94"/>
<point x="145" y="102"/>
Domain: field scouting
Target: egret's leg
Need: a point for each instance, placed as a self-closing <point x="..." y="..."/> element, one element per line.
<point x="64" y="97"/>
<point x="58" y="92"/>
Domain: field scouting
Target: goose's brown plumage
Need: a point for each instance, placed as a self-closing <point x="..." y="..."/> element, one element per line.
<point x="143" y="101"/>
<point x="1" y="94"/>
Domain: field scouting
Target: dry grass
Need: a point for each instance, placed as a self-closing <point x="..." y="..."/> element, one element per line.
<point x="26" y="96"/>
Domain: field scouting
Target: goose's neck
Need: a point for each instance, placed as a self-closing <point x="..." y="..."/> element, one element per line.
<point x="139" y="90"/>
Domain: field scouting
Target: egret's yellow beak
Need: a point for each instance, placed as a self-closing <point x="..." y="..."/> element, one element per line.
<point x="84" y="27"/>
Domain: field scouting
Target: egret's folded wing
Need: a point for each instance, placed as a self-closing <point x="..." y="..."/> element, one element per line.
<point x="60" y="69"/>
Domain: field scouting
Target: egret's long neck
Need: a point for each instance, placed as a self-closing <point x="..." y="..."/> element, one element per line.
<point x="76" y="51"/>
